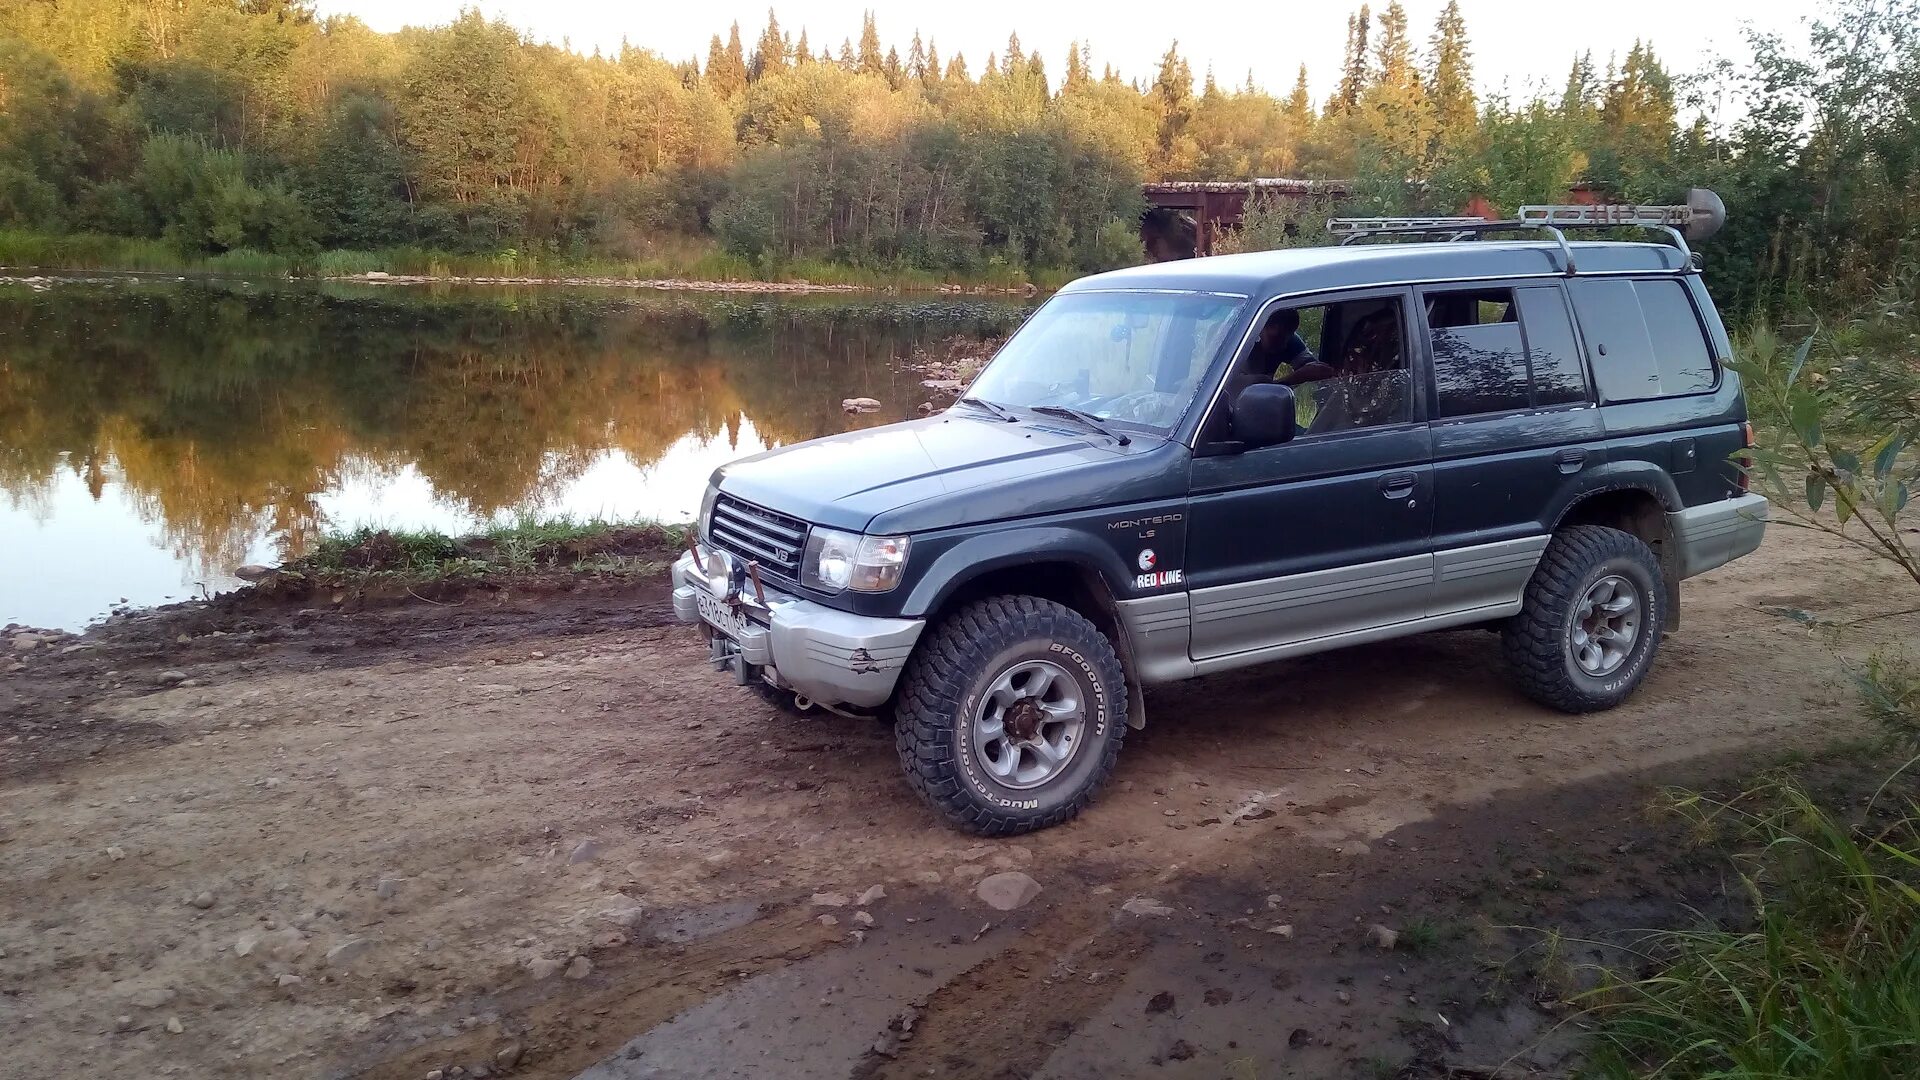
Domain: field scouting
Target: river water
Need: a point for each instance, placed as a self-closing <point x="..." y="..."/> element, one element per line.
<point x="156" y="435"/>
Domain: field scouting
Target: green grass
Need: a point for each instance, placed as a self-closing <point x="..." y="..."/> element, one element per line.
<point x="522" y="547"/>
<point x="1822" y="982"/>
<point x="687" y="259"/>
<point x="1422" y="936"/>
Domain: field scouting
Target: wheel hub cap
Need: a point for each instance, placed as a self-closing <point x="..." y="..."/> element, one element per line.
<point x="1028" y="727"/>
<point x="1606" y="625"/>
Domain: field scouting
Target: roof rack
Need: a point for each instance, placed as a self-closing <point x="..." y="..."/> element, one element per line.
<point x="1700" y="217"/>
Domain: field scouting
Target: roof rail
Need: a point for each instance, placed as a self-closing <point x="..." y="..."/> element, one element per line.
<point x="1453" y="228"/>
<point x="1700" y="217"/>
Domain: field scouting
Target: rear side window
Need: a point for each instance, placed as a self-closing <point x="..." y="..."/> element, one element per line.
<point x="1679" y="344"/>
<point x="1495" y="350"/>
<point x="1644" y="338"/>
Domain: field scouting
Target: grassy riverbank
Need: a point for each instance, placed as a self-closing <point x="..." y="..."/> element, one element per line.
<point x="528" y="547"/>
<point x="688" y="261"/>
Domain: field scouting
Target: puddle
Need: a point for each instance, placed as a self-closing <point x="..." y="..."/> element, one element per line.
<point x="692" y="924"/>
<point x="817" y="1018"/>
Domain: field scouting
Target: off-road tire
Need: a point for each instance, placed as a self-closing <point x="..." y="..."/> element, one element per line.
<point x="1536" y="641"/>
<point x="941" y="690"/>
<point x="783" y="700"/>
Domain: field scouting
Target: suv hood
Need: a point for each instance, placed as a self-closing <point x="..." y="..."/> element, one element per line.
<point x="846" y="481"/>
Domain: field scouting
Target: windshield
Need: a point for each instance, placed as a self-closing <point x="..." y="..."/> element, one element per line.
<point x="1131" y="357"/>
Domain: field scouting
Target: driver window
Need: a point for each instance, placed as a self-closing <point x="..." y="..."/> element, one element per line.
<point x="1346" y="363"/>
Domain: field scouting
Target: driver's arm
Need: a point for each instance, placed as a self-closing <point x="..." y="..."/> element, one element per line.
<point x="1311" y="370"/>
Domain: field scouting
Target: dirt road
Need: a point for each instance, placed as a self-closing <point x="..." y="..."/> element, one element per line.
<point x="537" y="836"/>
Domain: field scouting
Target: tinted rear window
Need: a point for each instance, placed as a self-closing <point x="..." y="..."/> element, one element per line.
<point x="1679" y="346"/>
<point x="1643" y="337"/>
<point x="1495" y="350"/>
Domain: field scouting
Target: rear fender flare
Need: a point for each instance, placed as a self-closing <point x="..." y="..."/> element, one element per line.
<point x="1615" y="476"/>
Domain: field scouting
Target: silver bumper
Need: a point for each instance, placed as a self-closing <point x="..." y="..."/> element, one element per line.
<point x="832" y="656"/>
<point x="1714" y="534"/>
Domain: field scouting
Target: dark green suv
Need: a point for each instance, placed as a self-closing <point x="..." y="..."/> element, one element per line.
<point x="1184" y="468"/>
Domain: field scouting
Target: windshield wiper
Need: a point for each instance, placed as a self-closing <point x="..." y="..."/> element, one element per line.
<point x="993" y="407"/>
<point x="1085" y="418"/>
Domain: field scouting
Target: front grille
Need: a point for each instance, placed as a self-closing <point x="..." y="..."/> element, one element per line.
<point x="754" y="532"/>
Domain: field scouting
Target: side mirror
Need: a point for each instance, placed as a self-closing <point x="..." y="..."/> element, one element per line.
<point x="1263" y="415"/>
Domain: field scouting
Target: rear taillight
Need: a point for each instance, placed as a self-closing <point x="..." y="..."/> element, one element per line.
<point x="1746" y="460"/>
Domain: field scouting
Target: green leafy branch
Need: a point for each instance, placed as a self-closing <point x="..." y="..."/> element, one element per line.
<point x="1805" y="423"/>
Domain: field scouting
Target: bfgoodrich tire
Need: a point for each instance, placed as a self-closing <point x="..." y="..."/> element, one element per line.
<point x="1010" y="715"/>
<point x="1591" y="621"/>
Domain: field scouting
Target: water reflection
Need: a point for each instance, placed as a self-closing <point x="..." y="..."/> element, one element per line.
<point x="153" y="436"/>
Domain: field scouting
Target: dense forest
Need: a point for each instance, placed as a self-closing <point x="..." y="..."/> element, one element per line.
<point x="215" y="126"/>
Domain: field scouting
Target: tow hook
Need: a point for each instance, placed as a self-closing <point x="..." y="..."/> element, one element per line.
<point x="724" y="655"/>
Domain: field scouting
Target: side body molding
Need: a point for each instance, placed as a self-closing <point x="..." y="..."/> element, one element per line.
<point x="1329" y="609"/>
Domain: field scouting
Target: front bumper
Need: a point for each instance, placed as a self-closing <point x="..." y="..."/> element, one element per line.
<point x="1714" y="534"/>
<point x="832" y="656"/>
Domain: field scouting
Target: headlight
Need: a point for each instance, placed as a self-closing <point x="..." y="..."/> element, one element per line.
<point x="702" y="524"/>
<point x="836" y="561"/>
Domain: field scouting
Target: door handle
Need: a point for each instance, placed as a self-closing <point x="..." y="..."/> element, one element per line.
<point x="1397" y="485"/>
<point x="1570" y="460"/>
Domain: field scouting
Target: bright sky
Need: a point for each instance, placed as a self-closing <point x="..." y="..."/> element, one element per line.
<point x="1517" y="44"/>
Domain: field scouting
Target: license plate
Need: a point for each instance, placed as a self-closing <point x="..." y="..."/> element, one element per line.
<point x="722" y="616"/>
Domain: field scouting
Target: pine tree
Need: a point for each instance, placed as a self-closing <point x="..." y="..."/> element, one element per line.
<point x="1299" y="106"/>
<point x="1076" y="68"/>
<point x="896" y="75"/>
<point x="957" y="69"/>
<point x="1037" y="71"/>
<point x="917" y="59"/>
<point x="726" y="66"/>
<point x="1637" y="121"/>
<point x="716" y="61"/>
<point x="869" y="57"/>
<point x="846" y="55"/>
<point x="1450" y="77"/>
<point x="801" y="53"/>
<point x="1354" y="76"/>
<point x="933" y="71"/>
<point x="1393" y="53"/>
<point x="1577" y="98"/>
<point x="1173" y="97"/>
<point x="1397" y="111"/>
<point x="770" y="55"/>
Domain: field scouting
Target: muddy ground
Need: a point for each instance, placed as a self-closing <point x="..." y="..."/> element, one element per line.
<point x="532" y="834"/>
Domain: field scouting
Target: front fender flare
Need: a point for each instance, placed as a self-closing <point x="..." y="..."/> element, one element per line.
<point x="988" y="552"/>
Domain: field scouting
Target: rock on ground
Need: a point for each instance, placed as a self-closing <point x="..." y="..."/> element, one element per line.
<point x="347" y="952"/>
<point x="1008" y="891"/>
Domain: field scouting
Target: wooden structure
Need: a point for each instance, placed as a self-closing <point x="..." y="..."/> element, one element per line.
<point x="1185" y="217"/>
